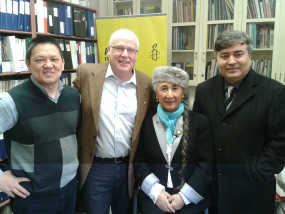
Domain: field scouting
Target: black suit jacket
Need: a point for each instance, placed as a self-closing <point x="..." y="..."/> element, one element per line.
<point x="198" y="172"/>
<point x="249" y="141"/>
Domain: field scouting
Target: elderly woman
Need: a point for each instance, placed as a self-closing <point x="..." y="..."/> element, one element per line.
<point x="173" y="160"/>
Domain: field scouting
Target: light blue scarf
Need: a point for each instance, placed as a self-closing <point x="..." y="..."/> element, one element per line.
<point x="169" y="120"/>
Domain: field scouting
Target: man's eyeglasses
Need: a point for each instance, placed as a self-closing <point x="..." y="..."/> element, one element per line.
<point x="43" y="61"/>
<point x="120" y="50"/>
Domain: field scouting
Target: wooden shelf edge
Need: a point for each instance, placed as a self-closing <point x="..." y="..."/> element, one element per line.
<point x="4" y="203"/>
<point x="74" y="5"/>
<point x="13" y="32"/>
<point x="68" y="37"/>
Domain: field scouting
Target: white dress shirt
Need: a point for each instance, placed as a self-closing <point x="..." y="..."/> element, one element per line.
<point x="117" y="116"/>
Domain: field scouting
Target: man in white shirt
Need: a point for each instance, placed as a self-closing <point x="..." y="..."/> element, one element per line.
<point x="115" y="99"/>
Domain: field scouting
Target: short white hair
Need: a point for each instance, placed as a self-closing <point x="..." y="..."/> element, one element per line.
<point x="124" y="34"/>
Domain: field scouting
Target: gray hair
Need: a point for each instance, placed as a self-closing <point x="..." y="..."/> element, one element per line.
<point x="229" y="38"/>
<point x="169" y="74"/>
<point x="124" y="34"/>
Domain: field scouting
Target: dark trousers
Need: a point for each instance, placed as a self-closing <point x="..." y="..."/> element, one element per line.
<point x="60" y="202"/>
<point x="107" y="186"/>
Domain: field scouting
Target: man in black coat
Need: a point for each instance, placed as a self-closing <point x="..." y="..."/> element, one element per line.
<point x="247" y="116"/>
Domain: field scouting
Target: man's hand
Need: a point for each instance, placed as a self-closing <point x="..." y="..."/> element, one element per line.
<point x="176" y="201"/>
<point x="11" y="185"/>
<point x="163" y="202"/>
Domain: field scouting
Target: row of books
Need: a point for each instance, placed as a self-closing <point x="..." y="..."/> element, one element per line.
<point x="184" y="11"/>
<point x="214" y="30"/>
<point x="6" y="85"/>
<point x="186" y="66"/>
<point x="74" y="52"/>
<point x="262" y="35"/>
<point x="260" y="65"/>
<point x="123" y="10"/>
<point x="56" y="18"/>
<point x="183" y="38"/>
<point x="84" y="3"/>
<point x="221" y="10"/>
<point x="13" y="53"/>
<point x="261" y="9"/>
<point x="150" y="9"/>
<point x="15" y="15"/>
<point x="77" y="52"/>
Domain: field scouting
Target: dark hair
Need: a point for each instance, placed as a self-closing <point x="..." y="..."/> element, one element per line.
<point x="229" y="38"/>
<point x="185" y="141"/>
<point x="41" y="40"/>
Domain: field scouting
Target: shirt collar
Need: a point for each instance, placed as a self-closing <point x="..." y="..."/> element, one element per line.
<point x="110" y="73"/>
<point x="59" y="89"/>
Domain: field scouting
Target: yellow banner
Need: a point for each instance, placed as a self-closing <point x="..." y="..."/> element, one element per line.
<point x="152" y="34"/>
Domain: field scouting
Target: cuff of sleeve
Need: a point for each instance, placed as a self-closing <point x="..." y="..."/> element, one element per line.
<point x="151" y="187"/>
<point x="186" y="201"/>
<point x="148" y="182"/>
<point x="190" y="194"/>
<point x="155" y="191"/>
<point x="1" y="172"/>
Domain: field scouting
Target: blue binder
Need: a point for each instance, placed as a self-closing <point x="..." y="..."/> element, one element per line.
<point x="15" y="13"/>
<point x="9" y="12"/>
<point x="61" y="16"/>
<point x="21" y="15"/>
<point x="27" y="17"/>
<point x="68" y="21"/>
<point x="90" y="23"/>
<point x="3" y="20"/>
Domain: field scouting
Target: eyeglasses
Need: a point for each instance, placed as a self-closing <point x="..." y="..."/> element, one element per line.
<point x="120" y="50"/>
<point x="43" y="61"/>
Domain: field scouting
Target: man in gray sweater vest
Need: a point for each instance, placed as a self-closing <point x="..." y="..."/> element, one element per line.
<point x="39" y="119"/>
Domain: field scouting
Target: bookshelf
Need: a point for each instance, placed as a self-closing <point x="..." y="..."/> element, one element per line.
<point x="135" y="7"/>
<point x="203" y="20"/>
<point x="261" y="19"/>
<point x="66" y="35"/>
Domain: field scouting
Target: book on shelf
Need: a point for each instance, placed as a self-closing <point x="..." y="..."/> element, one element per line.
<point x="261" y="34"/>
<point x="261" y="9"/>
<point x="13" y="61"/>
<point x="53" y="17"/>
<point x="184" y="11"/>
<point x="221" y="9"/>
<point x="27" y="17"/>
<point x="79" y="22"/>
<point x="188" y="67"/>
<point x="211" y="69"/>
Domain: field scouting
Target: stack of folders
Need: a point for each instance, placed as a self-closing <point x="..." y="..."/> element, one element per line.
<point x="56" y="18"/>
<point x="15" y="15"/>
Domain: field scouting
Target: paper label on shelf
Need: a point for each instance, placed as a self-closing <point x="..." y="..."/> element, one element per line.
<point x="92" y="31"/>
<point x="9" y="6"/>
<point x="68" y="11"/>
<point x="55" y="12"/>
<point x="50" y="20"/>
<point x="27" y="8"/>
<point x="61" y="27"/>
<point x="22" y="7"/>
<point x="15" y="7"/>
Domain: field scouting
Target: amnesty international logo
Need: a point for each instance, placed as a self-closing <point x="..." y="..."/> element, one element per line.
<point x="155" y="53"/>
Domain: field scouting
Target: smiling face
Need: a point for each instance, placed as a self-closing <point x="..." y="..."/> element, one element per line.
<point x="234" y="63"/>
<point x="123" y="54"/>
<point x="169" y="95"/>
<point x="46" y="64"/>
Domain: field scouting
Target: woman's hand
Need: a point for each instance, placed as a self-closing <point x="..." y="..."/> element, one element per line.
<point x="176" y="201"/>
<point x="163" y="202"/>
